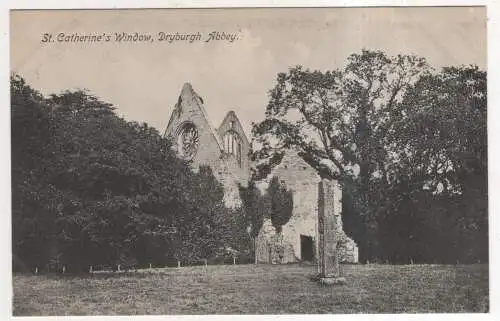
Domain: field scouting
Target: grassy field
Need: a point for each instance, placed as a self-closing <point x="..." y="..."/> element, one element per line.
<point x="262" y="289"/>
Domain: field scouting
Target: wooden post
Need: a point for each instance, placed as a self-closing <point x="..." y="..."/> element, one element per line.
<point x="64" y="269"/>
<point x="255" y="250"/>
<point x="36" y="270"/>
<point x="206" y="262"/>
<point x="178" y="264"/>
<point x="90" y="269"/>
<point x="234" y="260"/>
<point x="150" y="267"/>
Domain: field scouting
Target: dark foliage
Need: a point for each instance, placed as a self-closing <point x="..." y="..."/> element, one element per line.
<point x="408" y="145"/>
<point x="281" y="207"/>
<point x="89" y="188"/>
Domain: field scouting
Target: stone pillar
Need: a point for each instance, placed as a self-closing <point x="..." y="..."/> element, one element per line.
<point x="329" y="231"/>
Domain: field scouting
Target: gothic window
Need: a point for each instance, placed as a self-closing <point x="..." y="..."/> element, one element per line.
<point x="187" y="141"/>
<point x="232" y="145"/>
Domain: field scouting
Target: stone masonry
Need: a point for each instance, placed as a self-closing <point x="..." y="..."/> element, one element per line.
<point x="303" y="180"/>
<point x="225" y="149"/>
<point x="329" y="228"/>
<point x="230" y="167"/>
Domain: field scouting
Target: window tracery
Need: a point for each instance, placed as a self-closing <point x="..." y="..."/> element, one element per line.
<point x="232" y="145"/>
<point x="187" y="141"/>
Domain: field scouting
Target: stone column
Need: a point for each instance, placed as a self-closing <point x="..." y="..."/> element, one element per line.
<point x="329" y="231"/>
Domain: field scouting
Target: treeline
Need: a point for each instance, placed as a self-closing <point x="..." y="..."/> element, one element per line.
<point x="407" y="143"/>
<point x="89" y="188"/>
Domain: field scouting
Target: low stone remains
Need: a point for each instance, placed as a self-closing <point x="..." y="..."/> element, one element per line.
<point x="298" y="240"/>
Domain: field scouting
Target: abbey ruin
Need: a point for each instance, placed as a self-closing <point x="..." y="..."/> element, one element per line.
<point x="225" y="149"/>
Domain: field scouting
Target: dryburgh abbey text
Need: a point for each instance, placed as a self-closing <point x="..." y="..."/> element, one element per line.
<point x="119" y="37"/>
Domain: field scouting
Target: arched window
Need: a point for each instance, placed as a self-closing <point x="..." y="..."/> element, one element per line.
<point x="232" y="145"/>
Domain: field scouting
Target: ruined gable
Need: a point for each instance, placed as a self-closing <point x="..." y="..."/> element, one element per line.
<point x="234" y="141"/>
<point x="224" y="150"/>
<point x="190" y="113"/>
<point x="234" y="166"/>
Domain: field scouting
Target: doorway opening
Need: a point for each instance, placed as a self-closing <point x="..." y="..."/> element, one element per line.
<point x="306" y="248"/>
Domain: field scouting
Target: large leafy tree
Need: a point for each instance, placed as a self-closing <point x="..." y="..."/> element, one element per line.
<point x="441" y="146"/>
<point x="408" y="145"/>
<point x="339" y="122"/>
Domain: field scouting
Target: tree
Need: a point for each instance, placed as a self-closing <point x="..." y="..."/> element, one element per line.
<point x="442" y="147"/>
<point x="254" y="211"/>
<point x="339" y="123"/>
<point x="92" y="188"/>
<point x="281" y="207"/>
<point x="202" y="228"/>
<point x="32" y="220"/>
<point x="251" y="201"/>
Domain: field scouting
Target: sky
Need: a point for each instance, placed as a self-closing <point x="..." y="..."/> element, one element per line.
<point x="144" y="79"/>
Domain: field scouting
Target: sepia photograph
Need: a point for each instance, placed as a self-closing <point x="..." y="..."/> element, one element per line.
<point x="258" y="161"/>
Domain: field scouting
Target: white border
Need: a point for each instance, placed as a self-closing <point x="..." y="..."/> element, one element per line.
<point x="493" y="134"/>
<point x="107" y="4"/>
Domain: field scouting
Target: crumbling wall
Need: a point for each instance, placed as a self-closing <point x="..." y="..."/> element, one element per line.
<point x="230" y="175"/>
<point x="303" y="180"/>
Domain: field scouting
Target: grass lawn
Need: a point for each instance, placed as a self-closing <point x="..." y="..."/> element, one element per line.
<point x="261" y="289"/>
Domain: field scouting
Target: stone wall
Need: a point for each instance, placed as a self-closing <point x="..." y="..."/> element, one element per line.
<point x="272" y="247"/>
<point x="230" y="174"/>
<point x="303" y="180"/>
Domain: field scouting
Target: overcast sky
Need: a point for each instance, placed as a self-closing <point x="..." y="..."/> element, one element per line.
<point x="143" y="80"/>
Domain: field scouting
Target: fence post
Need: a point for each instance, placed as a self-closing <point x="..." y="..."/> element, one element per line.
<point x="36" y="270"/>
<point x="64" y="269"/>
<point x="150" y="267"/>
<point x="255" y="251"/>
<point x="178" y="264"/>
<point x="206" y="262"/>
<point x="234" y="260"/>
<point x="90" y="270"/>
